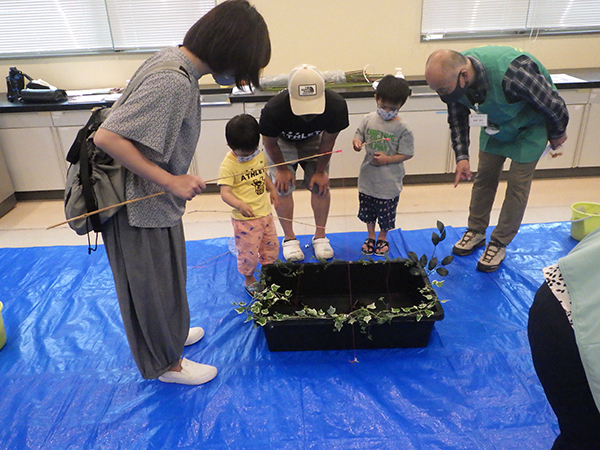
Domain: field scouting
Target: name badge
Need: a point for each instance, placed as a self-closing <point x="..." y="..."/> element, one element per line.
<point x="478" y="120"/>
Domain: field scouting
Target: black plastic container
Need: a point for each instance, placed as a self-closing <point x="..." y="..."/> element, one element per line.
<point x="344" y="285"/>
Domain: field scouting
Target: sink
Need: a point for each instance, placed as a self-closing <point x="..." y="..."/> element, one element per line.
<point x="422" y="91"/>
<point x="215" y="99"/>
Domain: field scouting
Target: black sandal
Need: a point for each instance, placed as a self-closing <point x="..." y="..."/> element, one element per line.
<point x="370" y="246"/>
<point x="380" y="245"/>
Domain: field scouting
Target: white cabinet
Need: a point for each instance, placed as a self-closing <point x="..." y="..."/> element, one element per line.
<point x="67" y="124"/>
<point x="35" y="144"/>
<point x="590" y="146"/>
<point x="566" y="154"/>
<point x="212" y="146"/>
<point x="29" y="142"/>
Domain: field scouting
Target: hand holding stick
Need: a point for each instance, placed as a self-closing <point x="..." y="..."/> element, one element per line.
<point x="375" y="140"/>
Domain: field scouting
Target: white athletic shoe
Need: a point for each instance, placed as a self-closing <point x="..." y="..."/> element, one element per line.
<point x="192" y="373"/>
<point x="195" y="334"/>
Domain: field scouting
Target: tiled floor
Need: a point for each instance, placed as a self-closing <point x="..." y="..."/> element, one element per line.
<point x="420" y="207"/>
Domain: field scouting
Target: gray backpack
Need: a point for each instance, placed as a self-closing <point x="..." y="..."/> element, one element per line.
<point x="94" y="179"/>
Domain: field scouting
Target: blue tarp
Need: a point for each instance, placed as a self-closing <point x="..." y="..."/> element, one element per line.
<point x="67" y="379"/>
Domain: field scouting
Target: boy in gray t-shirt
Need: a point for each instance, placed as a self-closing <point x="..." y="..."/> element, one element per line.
<point x="388" y="142"/>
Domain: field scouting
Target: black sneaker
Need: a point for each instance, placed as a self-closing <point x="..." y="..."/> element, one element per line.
<point x="469" y="242"/>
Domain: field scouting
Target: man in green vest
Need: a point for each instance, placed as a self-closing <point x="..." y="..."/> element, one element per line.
<point x="510" y="95"/>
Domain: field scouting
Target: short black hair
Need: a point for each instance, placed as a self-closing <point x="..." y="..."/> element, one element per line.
<point x="393" y="89"/>
<point x="232" y="37"/>
<point x="242" y="133"/>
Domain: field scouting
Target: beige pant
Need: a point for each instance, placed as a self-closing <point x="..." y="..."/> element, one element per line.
<point x="484" y="190"/>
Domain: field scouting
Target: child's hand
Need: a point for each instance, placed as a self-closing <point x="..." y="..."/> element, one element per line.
<point x="246" y="210"/>
<point x="381" y="159"/>
<point x="274" y="196"/>
<point x="357" y="144"/>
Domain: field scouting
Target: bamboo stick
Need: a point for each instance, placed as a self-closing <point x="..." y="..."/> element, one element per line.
<point x="83" y="216"/>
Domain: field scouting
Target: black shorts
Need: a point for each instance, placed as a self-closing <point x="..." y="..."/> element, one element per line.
<point x="372" y="210"/>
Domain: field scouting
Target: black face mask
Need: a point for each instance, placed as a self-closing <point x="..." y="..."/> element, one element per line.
<point x="457" y="93"/>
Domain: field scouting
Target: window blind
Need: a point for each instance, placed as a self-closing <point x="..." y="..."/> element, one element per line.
<point x="138" y="24"/>
<point x="573" y="14"/>
<point x="62" y="27"/>
<point x="446" y="19"/>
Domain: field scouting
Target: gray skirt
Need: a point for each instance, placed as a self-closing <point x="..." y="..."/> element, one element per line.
<point x="149" y="268"/>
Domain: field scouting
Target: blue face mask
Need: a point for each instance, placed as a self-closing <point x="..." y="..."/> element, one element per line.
<point x="224" y="79"/>
<point x="243" y="159"/>
<point x="387" y="115"/>
<point x="457" y="93"/>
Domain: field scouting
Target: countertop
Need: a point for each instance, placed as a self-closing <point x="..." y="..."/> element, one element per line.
<point x="589" y="79"/>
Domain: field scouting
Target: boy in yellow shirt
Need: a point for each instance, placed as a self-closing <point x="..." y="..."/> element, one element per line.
<point x="247" y="189"/>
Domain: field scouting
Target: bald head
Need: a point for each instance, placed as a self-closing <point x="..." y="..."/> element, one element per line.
<point x="443" y="67"/>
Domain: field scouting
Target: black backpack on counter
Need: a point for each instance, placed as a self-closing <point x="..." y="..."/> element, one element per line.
<point x="15" y="83"/>
<point x="35" y="91"/>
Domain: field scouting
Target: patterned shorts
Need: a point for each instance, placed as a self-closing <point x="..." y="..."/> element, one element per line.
<point x="372" y="210"/>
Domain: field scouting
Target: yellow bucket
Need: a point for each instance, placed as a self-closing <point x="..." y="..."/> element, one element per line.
<point x="585" y="219"/>
<point x="2" y="331"/>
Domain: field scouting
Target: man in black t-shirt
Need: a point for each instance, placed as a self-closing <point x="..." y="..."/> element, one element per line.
<point x="303" y="120"/>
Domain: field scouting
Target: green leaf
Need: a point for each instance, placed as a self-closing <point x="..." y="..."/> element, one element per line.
<point x="423" y="260"/>
<point x="447" y="260"/>
<point x="331" y="311"/>
<point x="432" y="263"/>
<point x="435" y="239"/>
<point x="440" y="226"/>
<point x="414" y="271"/>
<point x="240" y="310"/>
<point x="437" y="283"/>
<point x="442" y="271"/>
<point x="371" y="306"/>
<point x="443" y="235"/>
<point x="262" y="321"/>
<point x="413" y="257"/>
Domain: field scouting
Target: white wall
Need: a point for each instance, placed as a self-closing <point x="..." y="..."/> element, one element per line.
<point x="332" y="35"/>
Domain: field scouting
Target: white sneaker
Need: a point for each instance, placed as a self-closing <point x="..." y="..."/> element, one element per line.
<point x="322" y="248"/>
<point x="192" y="373"/>
<point x="292" y="251"/>
<point x="195" y="334"/>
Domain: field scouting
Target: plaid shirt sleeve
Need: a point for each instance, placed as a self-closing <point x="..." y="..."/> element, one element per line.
<point x="523" y="81"/>
<point x="458" y="119"/>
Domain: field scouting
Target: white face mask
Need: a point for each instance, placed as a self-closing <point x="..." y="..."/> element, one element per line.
<point x="387" y="115"/>
<point x="224" y="79"/>
<point x="242" y="159"/>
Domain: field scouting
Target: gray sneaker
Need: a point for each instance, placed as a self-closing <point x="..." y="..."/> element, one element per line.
<point x="469" y="242"/>
<point x="492" y="257"/>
